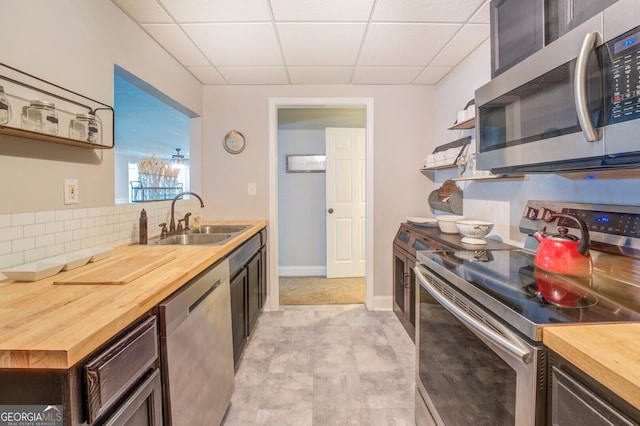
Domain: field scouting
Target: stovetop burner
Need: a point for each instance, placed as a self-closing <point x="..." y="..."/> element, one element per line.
<point x="499" y="279"/>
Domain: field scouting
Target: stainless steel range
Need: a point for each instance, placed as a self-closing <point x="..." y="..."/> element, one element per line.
<point x="480" y="357"/>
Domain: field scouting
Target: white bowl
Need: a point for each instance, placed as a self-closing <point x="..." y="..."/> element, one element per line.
<point x="473" y="231"/>
<point x="71" y="260"/>
<point x="447" y="223"/>
<point x="33" y="271"/>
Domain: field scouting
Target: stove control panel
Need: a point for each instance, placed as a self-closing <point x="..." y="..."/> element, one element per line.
<point x="614" y="228"/>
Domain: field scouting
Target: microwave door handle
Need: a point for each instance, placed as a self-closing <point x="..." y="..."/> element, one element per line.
<point x="474" y="325"/>
<point x="580" y="88"/>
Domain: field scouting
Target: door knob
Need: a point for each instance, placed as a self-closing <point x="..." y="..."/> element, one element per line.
<point x="330" y="211"/>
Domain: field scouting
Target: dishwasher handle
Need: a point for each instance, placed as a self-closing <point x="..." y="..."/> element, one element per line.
<point x="204" y="296"/>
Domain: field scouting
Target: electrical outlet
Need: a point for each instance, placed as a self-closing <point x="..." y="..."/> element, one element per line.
<point x="251" y="189"/>
<point x="71" y="193"/>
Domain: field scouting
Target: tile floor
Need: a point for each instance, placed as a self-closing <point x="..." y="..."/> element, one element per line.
<point x="325" y="365"/>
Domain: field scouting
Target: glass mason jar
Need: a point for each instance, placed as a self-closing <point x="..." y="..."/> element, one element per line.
<point x="42" y="117"/>
<point x="5" y="107"/>
<point x="85" y="127"/>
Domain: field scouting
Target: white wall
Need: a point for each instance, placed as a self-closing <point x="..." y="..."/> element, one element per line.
<point x="403" y="136"/>
<point x="301" y="206"/>
<point x="503" y="202"/>
<point x="75" y="43"/>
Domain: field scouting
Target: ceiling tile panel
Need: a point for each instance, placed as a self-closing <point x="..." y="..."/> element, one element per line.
<point x="254" y="75"/>
<point x="143" y="10"/>
<point x="405" y="44"/>
<point x="321" y="43"/>
<point x="425" y="10"/>
<point x="174" y="40"/>
<point x="218" y="10"/>
<point x="320" y="75"/>
<point x="207" y="75"/>
<point x="385" y="75"/>
<point x="236" y="45"/>
<point x="432" y="75"/>
<point x="327" y="10"/>
<point x="483" y="15"/>
<point x="470" y="37"/>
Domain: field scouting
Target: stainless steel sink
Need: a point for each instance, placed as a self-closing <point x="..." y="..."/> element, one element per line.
<point x="219" y="229"/>
<point x="194" y="239"/>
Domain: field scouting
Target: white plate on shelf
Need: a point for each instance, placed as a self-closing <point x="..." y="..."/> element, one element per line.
<point x="423" y="221"/>
<point x="33" y="271"/>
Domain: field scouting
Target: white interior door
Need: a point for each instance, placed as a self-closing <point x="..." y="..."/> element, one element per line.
<point x="345" y="187"/>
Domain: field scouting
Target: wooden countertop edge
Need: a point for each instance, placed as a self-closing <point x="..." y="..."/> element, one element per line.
<point x="161" y="283"/>
<point x="606" y="352"/>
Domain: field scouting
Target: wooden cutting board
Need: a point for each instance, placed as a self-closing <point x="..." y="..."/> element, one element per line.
<point x="120" y="270"/>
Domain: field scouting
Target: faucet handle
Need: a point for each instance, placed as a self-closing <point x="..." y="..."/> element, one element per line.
<point x="163" y="232"/>
<point x="180" y="221"/>
<point x="186" y="221"/>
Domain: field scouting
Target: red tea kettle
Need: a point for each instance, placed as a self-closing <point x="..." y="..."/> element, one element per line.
<point x="564" y="253"/>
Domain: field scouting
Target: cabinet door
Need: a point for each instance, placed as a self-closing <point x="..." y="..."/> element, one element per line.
<point x="238" y="313"/>
<point x="574" y="404"/>
<point x="253" y="291"/>
<point x="564" y="15"/>
<point x="516" y="32"/>
<point x="263" y="276"/>
<point x="404" y="290"/>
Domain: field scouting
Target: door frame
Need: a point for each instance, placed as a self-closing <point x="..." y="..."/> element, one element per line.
<point x="272" y="243"/>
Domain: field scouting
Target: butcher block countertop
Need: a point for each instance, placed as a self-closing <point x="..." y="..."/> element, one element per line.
<point x="54" y="326"/>
<point x="610" y="353"/>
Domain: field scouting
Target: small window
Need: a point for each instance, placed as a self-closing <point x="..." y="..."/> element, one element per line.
<point x="152" y="140"/>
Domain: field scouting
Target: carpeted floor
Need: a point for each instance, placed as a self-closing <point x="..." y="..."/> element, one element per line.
<point x="321" y="291"/>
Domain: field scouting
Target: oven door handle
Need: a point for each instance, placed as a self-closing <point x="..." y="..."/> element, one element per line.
<point x="591" y="134"/>
<point x="510" y="346"/>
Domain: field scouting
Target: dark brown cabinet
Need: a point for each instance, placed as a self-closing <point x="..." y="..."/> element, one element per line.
<point x="248" y="289"/>
<point x="516" y="32"/>
<point x="576" y="399"/>
<point x="561" y="16"/>
<point x="116" y="385"/>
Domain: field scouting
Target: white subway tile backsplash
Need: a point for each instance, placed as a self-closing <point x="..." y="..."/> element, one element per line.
<point x="71" y="225"/>
<point x="80" y="213"/>
<point x="5" y="248"/>
<point x="44" y="217"/>
<point x="30" y="236"/>
<point x="54" y="227"/>
<point x="34" y="230"/>
<point x="12" y="233"/>
<point x="23" y="244"/>
<point x="19" y="219"/>
<point x="35" y="254"/>
<point x="63" y="215"/>
<point x="45" y="240"/>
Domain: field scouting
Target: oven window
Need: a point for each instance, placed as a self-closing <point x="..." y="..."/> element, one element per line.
<point x="466" y="382"/>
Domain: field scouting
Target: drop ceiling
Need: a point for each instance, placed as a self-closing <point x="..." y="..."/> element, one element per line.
<point x="229" y="42"/>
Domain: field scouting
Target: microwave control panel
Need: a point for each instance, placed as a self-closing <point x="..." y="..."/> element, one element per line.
<point x="623" y="77"/>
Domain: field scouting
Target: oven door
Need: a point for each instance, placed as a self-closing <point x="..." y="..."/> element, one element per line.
<point x="471" y="369"/>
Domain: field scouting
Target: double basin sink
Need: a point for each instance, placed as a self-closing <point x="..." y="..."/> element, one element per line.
<point x="203" y="235"/>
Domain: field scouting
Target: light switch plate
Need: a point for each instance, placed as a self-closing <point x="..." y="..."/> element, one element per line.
<point x="71" y="195"/>
<point x="251" y="188"/>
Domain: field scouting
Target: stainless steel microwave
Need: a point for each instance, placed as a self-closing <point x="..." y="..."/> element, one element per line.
<point x="573" y="105"/>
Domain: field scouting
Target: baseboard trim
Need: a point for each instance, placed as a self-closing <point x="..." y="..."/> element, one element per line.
<point x="302" y="271"/>
<point x="383" y="303"/>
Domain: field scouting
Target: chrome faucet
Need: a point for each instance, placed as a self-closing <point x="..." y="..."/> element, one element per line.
<point x="172" y="223"/>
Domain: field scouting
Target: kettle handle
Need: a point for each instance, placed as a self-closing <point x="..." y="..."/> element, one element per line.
<point x="585" y="241"/>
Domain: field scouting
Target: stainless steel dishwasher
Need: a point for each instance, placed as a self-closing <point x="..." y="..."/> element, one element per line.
<point x="197" y="349"/>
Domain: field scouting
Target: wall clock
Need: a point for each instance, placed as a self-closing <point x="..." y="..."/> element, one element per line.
<point x="234" y="142"/>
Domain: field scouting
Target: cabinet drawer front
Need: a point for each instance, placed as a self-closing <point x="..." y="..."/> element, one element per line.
<point x="112" y="373"/>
